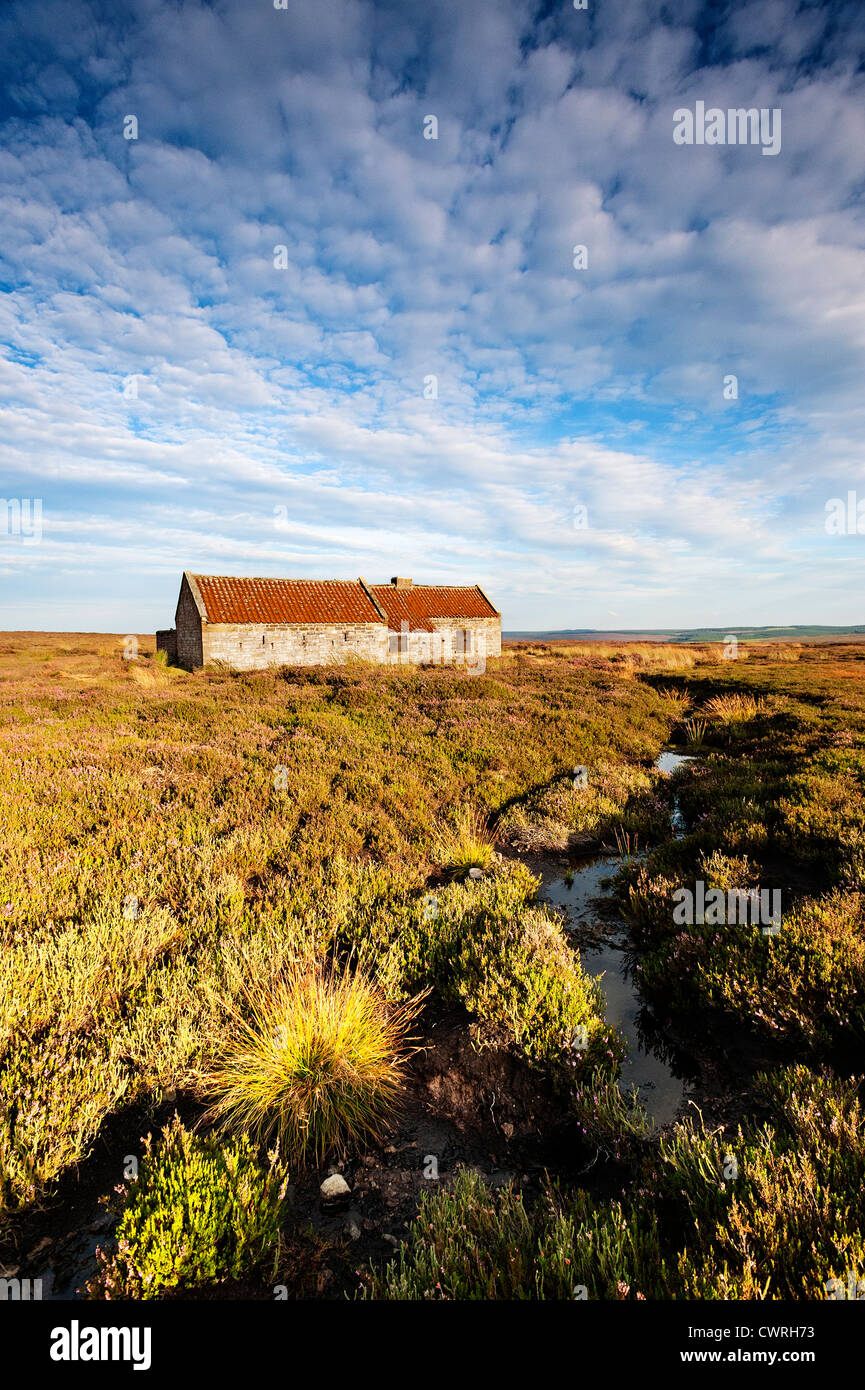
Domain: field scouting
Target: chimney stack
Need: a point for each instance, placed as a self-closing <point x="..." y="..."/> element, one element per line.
<point x="400" y="581"/>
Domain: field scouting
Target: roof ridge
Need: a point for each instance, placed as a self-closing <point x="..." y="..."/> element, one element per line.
<point x="270" y="579"/>
<point x="306" y="579"/>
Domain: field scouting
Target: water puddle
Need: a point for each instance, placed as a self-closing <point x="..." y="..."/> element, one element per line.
<point x="585" y="893"/>
<point x="668" y="761"/>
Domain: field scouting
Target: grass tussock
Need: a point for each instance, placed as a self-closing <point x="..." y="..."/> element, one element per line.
<point x="316" y="1060"/>
<point x="734" y="708"/>
<point x="679" y="700"/>
<point x="467" y="843"/>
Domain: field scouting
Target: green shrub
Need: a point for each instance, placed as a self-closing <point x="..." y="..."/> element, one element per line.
<point x="788" y="1217"/>
<point x="524" y="977"/>
<point x="773" y="1211"/>
<point x="803" y="986"/>
<point x="202" y="1210"/>
<point x="478" y="1243"/>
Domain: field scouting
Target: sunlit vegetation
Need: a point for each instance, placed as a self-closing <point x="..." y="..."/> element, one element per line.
<point x="254" y="892"/>
<point x="314" y="1059"/>
<point x="466" y="843"/>
<point x="199" y="1212"/>
<point x="772" y="1212"/>
<point x="156" y="823"/>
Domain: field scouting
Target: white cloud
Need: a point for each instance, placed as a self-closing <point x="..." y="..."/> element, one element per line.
<point x="410" y="257"/>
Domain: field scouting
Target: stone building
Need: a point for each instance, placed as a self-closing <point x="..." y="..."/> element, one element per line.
<point x="252" y="624"/>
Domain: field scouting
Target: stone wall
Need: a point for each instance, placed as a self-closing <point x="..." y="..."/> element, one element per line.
<point x="188" y="623"/>
<point x="166" y="641"/>
<point x="465" y="642"/>
<point x="491" y="631"/>
<point x="254" y="647"/>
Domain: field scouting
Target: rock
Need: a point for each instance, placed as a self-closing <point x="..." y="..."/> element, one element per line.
<point x="476" y="873"/>
<point x="352" y="1230"/>
<point x="507" y="1129"/>
<point x="335" y="1191"/>
<point x="391" y="1240"/>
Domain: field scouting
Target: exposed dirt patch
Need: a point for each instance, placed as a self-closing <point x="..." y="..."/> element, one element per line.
<point x="485" y="1090"/>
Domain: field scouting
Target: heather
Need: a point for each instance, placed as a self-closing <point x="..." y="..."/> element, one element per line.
<point x="263" y="899"/>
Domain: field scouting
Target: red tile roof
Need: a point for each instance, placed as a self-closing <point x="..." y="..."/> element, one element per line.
<point x="235" y="600"/>
<point x="421" y="603"/>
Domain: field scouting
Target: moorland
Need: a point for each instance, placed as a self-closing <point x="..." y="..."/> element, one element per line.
<point x="264" y="930"/>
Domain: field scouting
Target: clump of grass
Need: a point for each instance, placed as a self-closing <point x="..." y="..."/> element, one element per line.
<point x="679" y="699"/>
<point x="202" y="1210"/>
<point x="734" y="708"/>
<point x="466" y="844"/>
<point x="315" y="1057"/>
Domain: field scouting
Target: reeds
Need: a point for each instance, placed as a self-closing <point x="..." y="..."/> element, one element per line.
<point x="626" y="843"/>
<point x="695" y="730"/>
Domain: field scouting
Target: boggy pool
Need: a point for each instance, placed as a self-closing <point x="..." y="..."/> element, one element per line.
<point x="659" y="1073"/>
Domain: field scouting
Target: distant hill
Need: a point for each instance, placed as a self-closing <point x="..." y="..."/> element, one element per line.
<point x="798" y="633"/>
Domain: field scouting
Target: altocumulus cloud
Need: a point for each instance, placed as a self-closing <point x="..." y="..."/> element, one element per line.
<point x="422" y="370"/>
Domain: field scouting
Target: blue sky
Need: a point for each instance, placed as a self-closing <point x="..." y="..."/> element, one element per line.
<point x="281" y="426"/>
